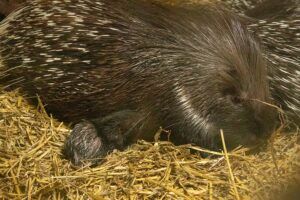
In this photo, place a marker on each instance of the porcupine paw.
(84, 145)
(91, 141)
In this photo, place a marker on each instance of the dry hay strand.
(32, 167)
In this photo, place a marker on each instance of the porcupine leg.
(92, 140)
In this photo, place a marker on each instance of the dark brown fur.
(8, 6)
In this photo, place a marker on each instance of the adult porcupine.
(282, 25)
(129, 67)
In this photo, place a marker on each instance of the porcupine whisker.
(268, 104)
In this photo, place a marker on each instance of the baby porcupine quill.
(128, 67)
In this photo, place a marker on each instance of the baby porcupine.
(127, 67)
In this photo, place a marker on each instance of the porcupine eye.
(232, 94)
(229, 85)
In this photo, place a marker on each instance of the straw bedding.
(32, 167)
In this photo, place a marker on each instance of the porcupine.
(277, 25)
(128, 67)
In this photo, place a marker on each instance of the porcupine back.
(278, 27)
